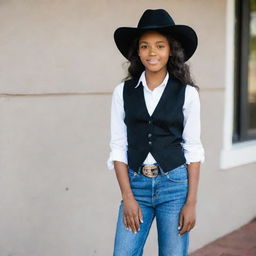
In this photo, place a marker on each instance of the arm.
(118, 141)
(193, 179)
(118, 160)
(121, 170)
(194, 154)
(193, 149)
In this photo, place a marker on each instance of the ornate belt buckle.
(150, 170)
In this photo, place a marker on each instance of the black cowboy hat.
(158, 20)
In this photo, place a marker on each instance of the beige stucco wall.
(58, 68)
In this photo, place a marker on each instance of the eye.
(143, 46)
(160, 46)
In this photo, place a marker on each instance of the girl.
(156, 149)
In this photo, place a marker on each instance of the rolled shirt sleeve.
(193, 148)
(118, 141)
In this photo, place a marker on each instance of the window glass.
(252, 67)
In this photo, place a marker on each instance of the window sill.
(239, 154)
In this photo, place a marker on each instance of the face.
(154, 51)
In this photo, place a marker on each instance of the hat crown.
(155, 19)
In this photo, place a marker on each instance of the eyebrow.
(156, 42)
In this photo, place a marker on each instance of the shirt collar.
(144, 83)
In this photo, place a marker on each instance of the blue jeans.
(162, 197)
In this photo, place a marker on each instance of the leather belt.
(150, 170)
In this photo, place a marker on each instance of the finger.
(137, 223)
(180, 221)
(140, 215)
(184, 228)
(125, 222)
(128, 223)
(189, 227)
(192, 225)
(133, 227)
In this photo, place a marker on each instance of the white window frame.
(240, 153)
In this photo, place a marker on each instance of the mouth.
(152, 61)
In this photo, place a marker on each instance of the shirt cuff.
(116, 155)
(194, 153)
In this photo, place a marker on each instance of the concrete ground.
(240, 242)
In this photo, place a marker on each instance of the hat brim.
(124, 36)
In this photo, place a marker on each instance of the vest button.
(150, 142)
(149, 121)
(149, 135)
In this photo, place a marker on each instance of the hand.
(132, 214)
(187, 218)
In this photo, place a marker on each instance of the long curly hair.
(175, 64)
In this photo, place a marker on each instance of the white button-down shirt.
(193, 149)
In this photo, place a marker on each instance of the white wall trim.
(232, 155)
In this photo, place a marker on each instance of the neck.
(154, 79)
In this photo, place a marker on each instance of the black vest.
(161, 133)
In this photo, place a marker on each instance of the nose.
(151, 51)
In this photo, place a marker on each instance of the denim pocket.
(132, 174)
(178, 174)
